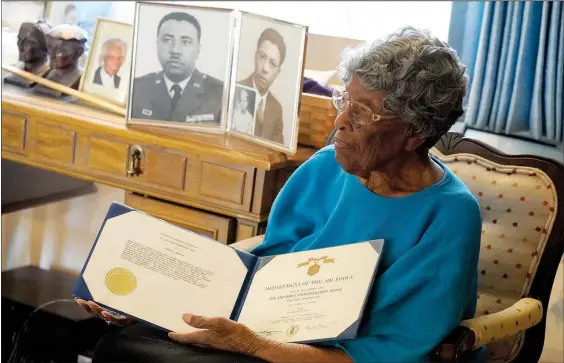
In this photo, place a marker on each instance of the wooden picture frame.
(118, 36)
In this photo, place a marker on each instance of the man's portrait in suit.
(178, 91)
(113, 55)
(107, 69)
(268, 59)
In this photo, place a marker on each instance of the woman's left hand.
(220, 333)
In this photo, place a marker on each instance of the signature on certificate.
(268, 333)
(316, 327)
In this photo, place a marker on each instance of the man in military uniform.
(179, 92)
(269, 56)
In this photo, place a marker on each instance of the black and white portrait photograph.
(244, 105)
(108, 66)
(270, 60)
(181, 62)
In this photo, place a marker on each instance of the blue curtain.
(514, 52)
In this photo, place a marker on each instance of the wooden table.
(217, 185)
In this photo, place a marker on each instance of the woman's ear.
(413, 142)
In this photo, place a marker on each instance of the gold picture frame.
(91, 81)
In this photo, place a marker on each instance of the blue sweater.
(427, 278)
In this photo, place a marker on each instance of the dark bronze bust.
(33, 56)
(65, 44)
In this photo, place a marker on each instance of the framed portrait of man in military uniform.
(181, 66)
(269, 60)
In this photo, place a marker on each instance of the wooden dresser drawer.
(226, 184)
(179, 175)
(13, 131)
(164, 169)
(107, 155)
(53, 142)
(210, 225)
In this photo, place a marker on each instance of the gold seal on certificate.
(293, 330)
(121, 281)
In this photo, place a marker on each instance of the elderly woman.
(377, 181)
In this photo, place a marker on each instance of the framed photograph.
(270, 60)
(108, 67)
(181, 65)
(244, 109)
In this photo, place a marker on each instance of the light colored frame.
(91, 53)
(293, 144)
(231, 113)
(222, 127)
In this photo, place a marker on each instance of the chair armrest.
(517, 318)
(249, 243)
(474, 333)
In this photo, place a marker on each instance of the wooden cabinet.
(207, 224)
(107, 156)
(217, 185)
(13, 131)
(53, 142)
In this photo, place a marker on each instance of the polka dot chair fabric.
(518, 206)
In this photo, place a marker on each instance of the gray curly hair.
(423, 80)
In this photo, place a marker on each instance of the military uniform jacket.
(272, 125)
(200, 102)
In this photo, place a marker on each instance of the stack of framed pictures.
(199, 68)
(217, 70)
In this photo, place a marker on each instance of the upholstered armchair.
(522, 245)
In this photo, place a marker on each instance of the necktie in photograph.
(176, 96)
(260, 111)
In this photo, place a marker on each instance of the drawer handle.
(135, 156)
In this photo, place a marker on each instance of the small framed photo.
(269, 60)
(181, 66)
(108, 66)
(244, 110)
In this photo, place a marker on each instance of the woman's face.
(361, 149)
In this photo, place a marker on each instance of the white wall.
(346, 19)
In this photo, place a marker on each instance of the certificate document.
(148, 269)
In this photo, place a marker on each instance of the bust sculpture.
(65, 44)
(33, 55)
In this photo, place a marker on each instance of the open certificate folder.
(154, 271)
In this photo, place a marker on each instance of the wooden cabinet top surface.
(82, 115)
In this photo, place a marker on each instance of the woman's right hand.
(93, 308)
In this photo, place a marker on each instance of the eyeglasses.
(360, 115)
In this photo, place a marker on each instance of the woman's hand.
(220, 333)
(93, 308)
